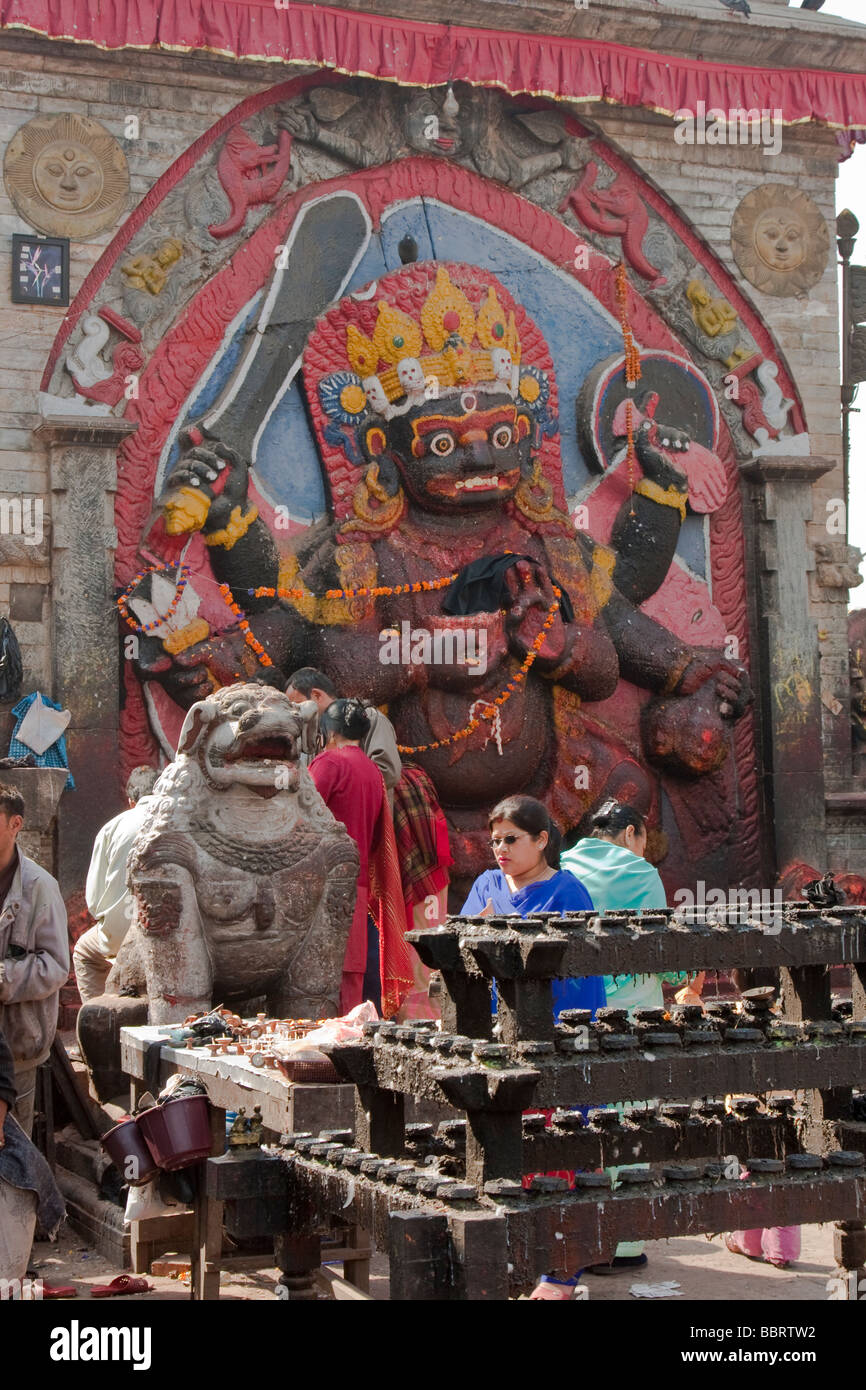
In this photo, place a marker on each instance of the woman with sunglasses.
(525, 843)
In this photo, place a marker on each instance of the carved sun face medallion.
(780, 240)
(66, 175)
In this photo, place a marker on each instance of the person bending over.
(380, 741)
(108, 898)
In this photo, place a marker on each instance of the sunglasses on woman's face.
(496, 840)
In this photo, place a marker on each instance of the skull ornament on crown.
(425, 336)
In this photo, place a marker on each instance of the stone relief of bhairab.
(473, 472)
(780, 239)
(285, 441)
(244, 882)
(66, 175)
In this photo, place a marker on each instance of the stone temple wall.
(177, 99)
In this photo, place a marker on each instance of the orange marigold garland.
(249, 636)
(382, 591)
(491, 707)
(182, 572)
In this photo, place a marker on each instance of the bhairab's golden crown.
(449, 343)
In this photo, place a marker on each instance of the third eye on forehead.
(460, 425)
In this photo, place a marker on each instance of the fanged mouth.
(479, 482)
(263, 750)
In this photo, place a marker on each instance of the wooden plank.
(231, 1264)
(208, 1222)
(342, 1254)
(64, 1078)
(828, 938)
(149, 1237)
(233, 1083)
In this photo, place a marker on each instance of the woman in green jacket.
(611, 865)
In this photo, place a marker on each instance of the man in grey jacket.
(34, 955)
(380, 745)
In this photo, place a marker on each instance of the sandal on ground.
(124, 1283)
(619, 1262)
(58, 1291)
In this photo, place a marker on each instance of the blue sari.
(561, 893)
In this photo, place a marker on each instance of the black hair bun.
(356, 721)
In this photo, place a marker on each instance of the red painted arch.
(251, 105)
(185, 351)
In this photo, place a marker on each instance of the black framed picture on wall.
(40, 270)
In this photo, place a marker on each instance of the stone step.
(98, 1222)
(105, 1114)
(88, 1160)
(84, 1157)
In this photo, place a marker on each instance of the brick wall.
(175, 101)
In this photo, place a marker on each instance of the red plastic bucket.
(127, 1150)
(178, 1132)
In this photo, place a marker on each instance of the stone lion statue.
(244, 883)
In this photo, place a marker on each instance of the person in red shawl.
(353, 789)
(424, 854)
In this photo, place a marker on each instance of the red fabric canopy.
(429, 55)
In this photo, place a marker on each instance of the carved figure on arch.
(250, 174)
(91, 375)
(357, 124)
(710, 324)
(616, 210)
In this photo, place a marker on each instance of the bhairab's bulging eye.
(502, 437)
(442, 444)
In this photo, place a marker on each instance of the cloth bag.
(42, 725)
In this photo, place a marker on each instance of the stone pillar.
(82, 470)
(41, 788)
(788, 673)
